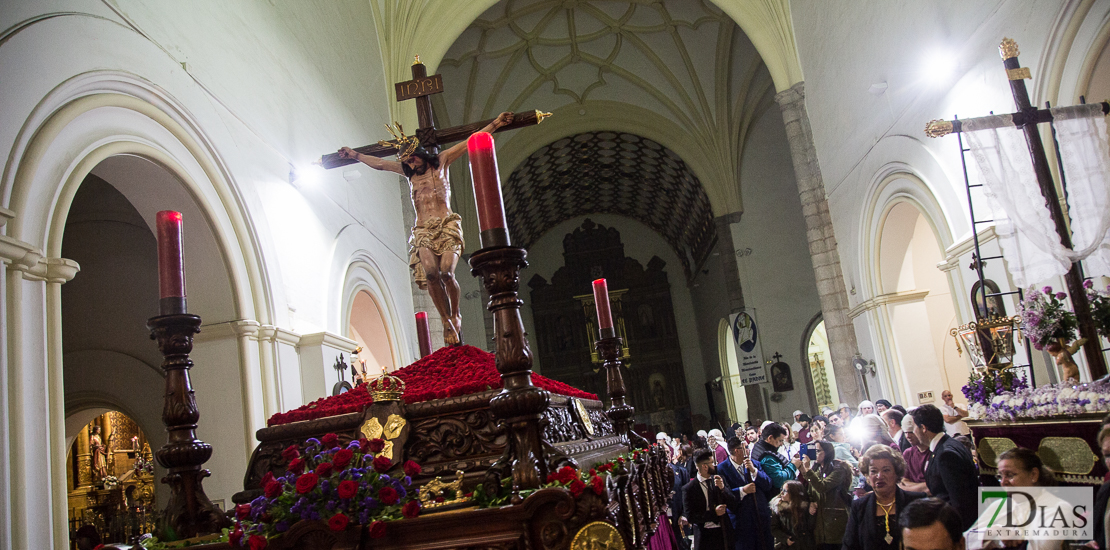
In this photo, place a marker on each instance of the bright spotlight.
(939, 66)
(310, 174)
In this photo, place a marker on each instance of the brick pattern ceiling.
(607, 172)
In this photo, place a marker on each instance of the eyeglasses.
(1006, 476)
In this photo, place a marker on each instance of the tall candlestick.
(487, 190)
(171, 266)
(604, 314)
(422, 334)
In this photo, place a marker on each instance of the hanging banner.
(749, 351)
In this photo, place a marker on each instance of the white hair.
(865, 403)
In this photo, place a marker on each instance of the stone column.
(822, 241)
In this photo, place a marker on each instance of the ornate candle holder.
(520, 405)
(620, 412)
(189, 513)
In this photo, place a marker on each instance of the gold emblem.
(584, 417)
(597, 536)
(1018, 74)
(1008, 49)
(452, 493)
(937, 128)
(991, 447)
(372, 429)
(1067, 455)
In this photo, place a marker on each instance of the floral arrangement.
(574, 480)
(1045, 401)
(110, 482)
(328, 482)
(449, 372)
(1045, 318)
(1100, 307)
(981, 387)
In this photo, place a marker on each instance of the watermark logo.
(1034, 513)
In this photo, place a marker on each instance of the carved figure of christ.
(437, 236)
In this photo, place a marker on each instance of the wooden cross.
(1027, 119)
(420, 88)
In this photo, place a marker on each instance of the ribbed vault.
(614, 173)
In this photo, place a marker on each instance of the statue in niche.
(98, 454)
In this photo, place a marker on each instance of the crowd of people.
(880, 477)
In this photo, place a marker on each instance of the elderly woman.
(1018, 467)
(873, 521)
(830, 481)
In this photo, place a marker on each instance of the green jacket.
(830, 492)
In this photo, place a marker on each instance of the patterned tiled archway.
(613, 173)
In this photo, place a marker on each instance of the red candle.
(604, 315)
(487, 190)
(423, 337)
(171, 267)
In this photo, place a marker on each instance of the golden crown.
(385, 387)
(405, 145)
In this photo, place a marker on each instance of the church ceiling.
(607, 172)
(685, 65)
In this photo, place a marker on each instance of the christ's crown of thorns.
(405, 145)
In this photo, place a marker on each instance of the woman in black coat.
(873, 521)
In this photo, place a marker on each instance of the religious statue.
(98, 454)
(1062, 352)
(436, 241)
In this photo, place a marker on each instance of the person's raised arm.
(371, 161)
(456, 150)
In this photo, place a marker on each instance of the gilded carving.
(598, 535)
(991, 447)
(1067, 455)
(1008, 49)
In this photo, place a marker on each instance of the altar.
(1065, 444)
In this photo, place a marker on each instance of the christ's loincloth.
(440, 235)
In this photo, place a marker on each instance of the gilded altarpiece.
(566, 326)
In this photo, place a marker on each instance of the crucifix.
(1027, 118)
(436, 241)
(777, 357)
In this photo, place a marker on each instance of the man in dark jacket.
(705, 501)
(678, 516)
(766, 452)
(751, 515)
(950, 472)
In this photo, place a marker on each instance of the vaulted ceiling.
(678, 74)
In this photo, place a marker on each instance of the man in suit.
(950, 472)
(751, 515)
(678, 514)
(705, 501)
(893, 420)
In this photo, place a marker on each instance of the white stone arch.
(79, 123)
(893, 185)
(363, 274)
(736, 397)
(1079, 34)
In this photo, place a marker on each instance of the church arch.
(366, 293)
(736, 398)
(88, 119)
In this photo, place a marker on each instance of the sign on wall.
(749, 352)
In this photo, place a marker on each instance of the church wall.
(640, 243)
(776, 273)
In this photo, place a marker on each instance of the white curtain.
(1026, 233)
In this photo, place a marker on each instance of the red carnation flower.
(411, 509)
(307, 483)
(382, 464)
(566, 474)
(330, 440)
(576, 487)
(377, 529)
(257, 542)
(242, 511)
(377, 444)
(593, 472)
(324, 470)
(338, 522)
(342, 458)
(363, 444)
(388, 496)
(598, 485)
(273, 489)
(347, 488)
(235, 537)
(266, 479)
(296, 466)
(291, 452)
(411, 468)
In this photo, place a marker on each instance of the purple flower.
(1061, 295)
(1046, 290)
(1088, 283)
